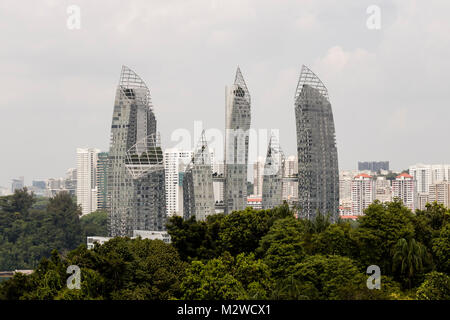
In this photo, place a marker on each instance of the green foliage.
(235, 233)
(282, 247)
(435, 287)
(227, 277)
(31, 227)
(250, 187)
(94, 224)
(336, 239)
(408, 258)
(441, 249)
(318, 224)
(242, 231)
(429, 222)
(391, 176)
(194, 240)
(20, 201)
(27, 234)
(331, 277)
(250, 254)
(120, 269)
(40, 203)
(379, 230)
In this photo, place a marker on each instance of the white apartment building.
(427, 174)
(345, 207)
(383, 190)
(143, 234)
(258, 172)
(345, 185)
(404, 187)
(175, 161)
(290, 188)
(440, 192)
(363, 193)
(218, 186)
(440, 172)
(422, 200)
(86, 179)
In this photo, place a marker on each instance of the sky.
(388, 86)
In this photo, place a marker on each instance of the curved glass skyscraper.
(318, 173)
(237, 125)
(136, 196)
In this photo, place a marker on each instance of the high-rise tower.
(87, 179)
(318, 173)
(198, 192)
(102, 180)
(237, 125)
(272, 188)
(136, 192)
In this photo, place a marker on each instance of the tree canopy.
(249, 254)
(30, 228)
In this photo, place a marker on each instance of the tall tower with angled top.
(136, 196)
(272, 187)
(198, 192)
(318, 173)
(237, 125)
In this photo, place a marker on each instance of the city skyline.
(68, 88)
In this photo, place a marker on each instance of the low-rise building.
(143, 234)
(254, 201)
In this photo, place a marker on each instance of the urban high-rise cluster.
(140, 185)
(146, 185)
(415, 187)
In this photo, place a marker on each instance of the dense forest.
(30, 228)
(250, 254)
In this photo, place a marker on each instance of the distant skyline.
(387, 87)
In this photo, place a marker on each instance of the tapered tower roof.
(130, 80)
(239, 80)
(307, 77)
(201, 154)
(274, 157)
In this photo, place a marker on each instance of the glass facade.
(198, 192)
(237, 125)
(102, 178)
(272, 186)
(318, 173)
(135, 167)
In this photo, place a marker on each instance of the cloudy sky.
(389, 88)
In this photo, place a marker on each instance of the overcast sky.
(389, 88)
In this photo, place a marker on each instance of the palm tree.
(409, 257)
